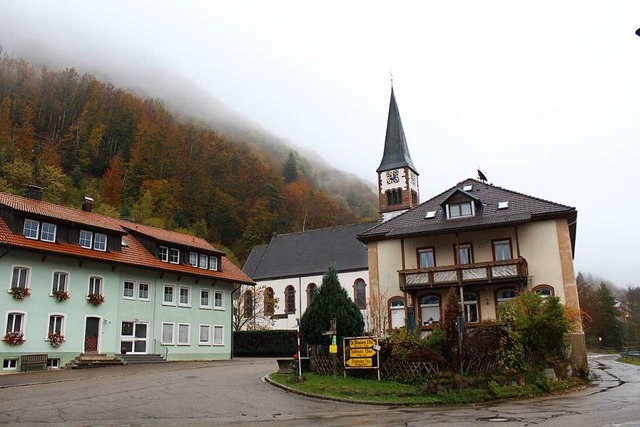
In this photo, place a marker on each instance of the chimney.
(33, 192)
(87, 203)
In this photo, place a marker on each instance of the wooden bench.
(32, 359)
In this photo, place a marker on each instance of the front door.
(91, 334)
(133, 337)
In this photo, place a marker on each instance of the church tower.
(397, 176)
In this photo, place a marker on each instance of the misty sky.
(543, 96)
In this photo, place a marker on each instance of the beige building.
(487, 242)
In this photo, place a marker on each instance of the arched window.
(269, 302)
(430, 309)
(312, 291)
(505, 295)
(471, 307)
(290, 300)
(545, 291)
(248, 303)
(396, 309)
(360, 294)
(389, 197)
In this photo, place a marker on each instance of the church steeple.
(397, 176)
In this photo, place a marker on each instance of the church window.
(290, 300)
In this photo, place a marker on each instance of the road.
(232, 393)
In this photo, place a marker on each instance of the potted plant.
(20, 293)
(13, 338)
(95, 299)
(60, 295)
(55, 339)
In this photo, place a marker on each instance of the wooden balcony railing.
(482, 272)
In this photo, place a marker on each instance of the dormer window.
(31, 229)
(213, 263)
(86, 239)
(100, 242)
(163, 253)
(174, 256)
(193, 259)
(460, 210)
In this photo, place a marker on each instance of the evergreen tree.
(605, 324)
(290, 168)
(330, 302)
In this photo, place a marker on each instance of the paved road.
(232, 393)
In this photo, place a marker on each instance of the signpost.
(361, 353)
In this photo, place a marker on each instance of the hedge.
(265, 343)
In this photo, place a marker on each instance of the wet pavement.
(232, 393)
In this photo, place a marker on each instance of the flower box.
(13, 338)
(56, 339)
(20, 293)
(60, 295)
(95, 299)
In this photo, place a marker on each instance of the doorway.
(91, 334)
(133, 337)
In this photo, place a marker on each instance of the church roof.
(429, 218)
(309, 253)
(396, 152)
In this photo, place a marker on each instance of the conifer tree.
(330, 302)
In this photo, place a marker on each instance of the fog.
(542, 96)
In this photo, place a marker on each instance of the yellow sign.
(333, 349)
(361, 343)
(364, 362)
(361, 352)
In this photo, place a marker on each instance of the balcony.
(513, 270)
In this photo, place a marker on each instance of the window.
(505, 295)
(55, 324)
(143, 291)
(167, 333)
(163, 253)
(48, 232)
(183, 333)
(205, 335)
(397, 312)
(205, 299)
(31, 229)
(86, 239)
(545, 291)
(95, 285)
(53, 363)
(10, 364)
(471, 307)
(203, 261)
(59, 283)
(312, 291)
(193, 259)
(218, 300)
(129, 290)
(426, 258)
(100, 242)
(460, 210)
(430, 309)
(174, 256)
(15, 322)
(465, 254)
(290, 300)
(168, 296)
(394, 197)
(269, 302)
(20, 277)
(248, 303)
(501, 250)
(218, 335)
(185, 298)
(360, 294)
(213, 262)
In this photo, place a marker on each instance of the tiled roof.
(133, 253)
(309, 253)
(522, 208)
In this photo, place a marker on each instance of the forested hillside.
(73, 134)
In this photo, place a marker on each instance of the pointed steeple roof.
(396, 153)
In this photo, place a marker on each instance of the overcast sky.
(543, 96)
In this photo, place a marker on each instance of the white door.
(133, 337)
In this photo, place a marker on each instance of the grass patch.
(629, 360)
(390, 393)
